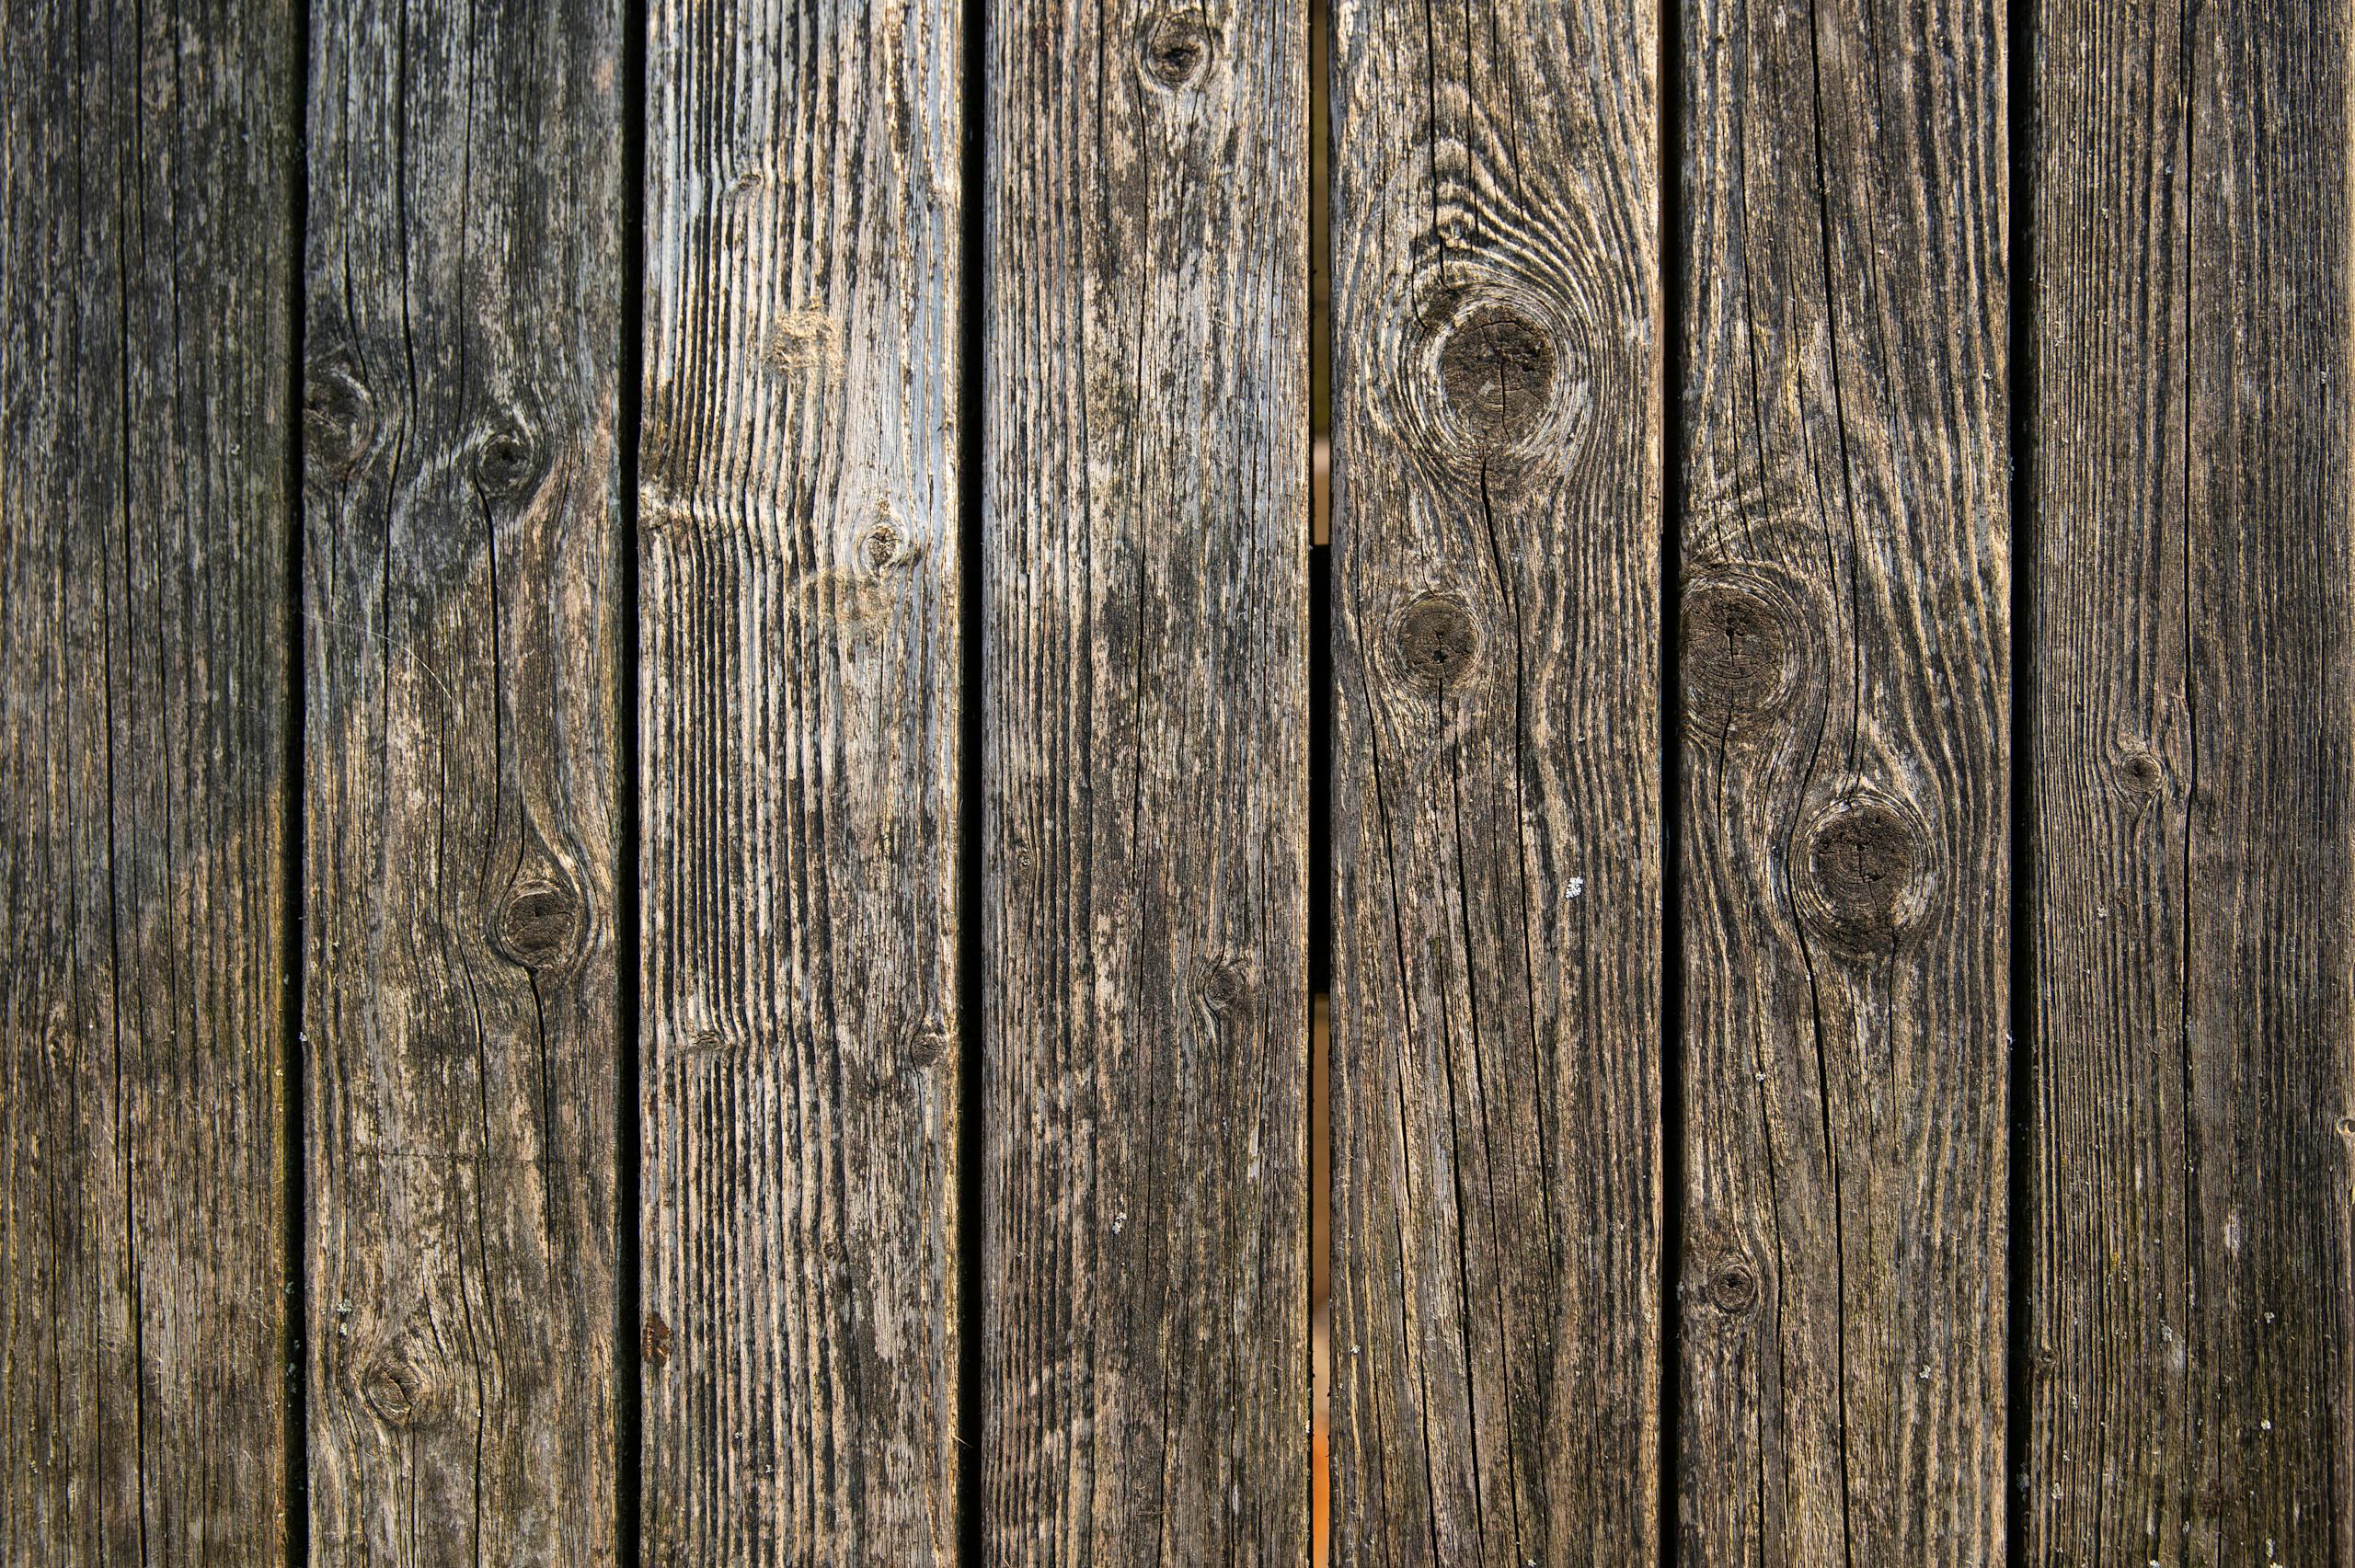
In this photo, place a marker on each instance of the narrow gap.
(1320, 780)
(630, 1427)
(1320, 417)
(973, 497)
(2020, 130)
(1671, 163)
(297, 1499)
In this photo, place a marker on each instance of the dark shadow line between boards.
(2019, 240)
(972, 803)
(1672, 284)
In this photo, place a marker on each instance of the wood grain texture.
(145, 319)
(802, 652)
(1144, 903)
(1497, 814)
(462, 630)
(2189, 1397)
(1844, 644)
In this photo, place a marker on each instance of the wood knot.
(1732, 1288)
(883, 547)
(538, 924)
(508, 460)
(1435, 642)
(1868, 872)
(654, 1341)
(1177, 48)
(916, 1051)
(1741, 648)
(1498, 369)
(1222, 990)
(925, 1045)
(338, 417)
(395, 1392)
(2139, 772)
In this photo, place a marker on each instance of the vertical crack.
(2018, 1261)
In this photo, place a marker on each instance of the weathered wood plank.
(802, 654)
(1497, 815)
(1844, 642)
(462, 629)
(1144, 897)
(146, 322)
(2190, 1319)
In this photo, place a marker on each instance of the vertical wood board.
(1497, 852)
(461, 636)
(1143, 901)
(2189, 1366)
(146, 322)
(801, 650)
(1845, 643)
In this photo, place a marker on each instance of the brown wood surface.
(1144, 547)
(801, 648)
(1496, 809)
(145, 242)
(1844, 646)
(462, 629)
(1807, 375)
(2188, 1334)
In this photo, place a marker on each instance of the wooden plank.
(1497, 815)
(146, 322)
(461, 623)
(1146, 1355)
(2188, 1325)
(802, 651)
(1844, 648)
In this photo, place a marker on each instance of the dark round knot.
(1867, 866)
(538, 924)
(1497, 368)
(1741, 649)
(508, 462)
(1435, 642)
(1177, 48)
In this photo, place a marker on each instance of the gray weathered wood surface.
(802, 649)
(2189, 1394)
(1144, 987)
(1495, 792)
(146, 248)
(1845, 712)
(462, 628)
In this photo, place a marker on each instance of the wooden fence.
(677, 771)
